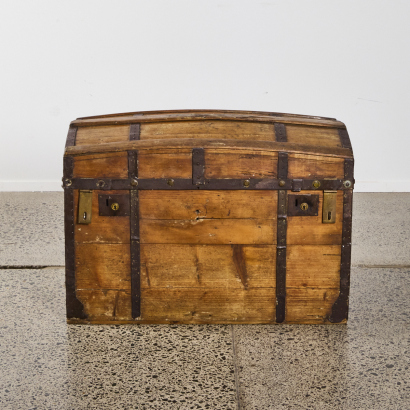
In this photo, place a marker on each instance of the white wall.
(64, 59)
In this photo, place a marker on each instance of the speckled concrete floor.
(46, 364)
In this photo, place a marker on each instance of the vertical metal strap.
(344, 138)
(281, 241)
(280, 132)
(134, 237)
(75, 308)
(71, 136)
(340, 309)
(198, 166)
(135, 130)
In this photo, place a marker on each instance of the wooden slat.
(201, 305)
(102, 135)
(223, 145)
(314, 166)
(309, 230)
(315, 266)
(102, 306)
(209, 231)
(109, 165)
(209, 129)
(102, 266)
(320, 136)
(307, 305)
(191, 205)
(172, 164)
(102, 229)
(207, 266)
(240, 165)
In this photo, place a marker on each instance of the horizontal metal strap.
(209, 184)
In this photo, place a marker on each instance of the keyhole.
(304, 206)
(85, 216)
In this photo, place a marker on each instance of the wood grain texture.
(209, 231)
(109, 165)
(103, 266)
(193, 205)
(204, 306)
(209, 129)
(309, 230)
(314, 166)
(319, 136)
(101, 135)
(171, 164)
(316, 266)
(240, 165)
(105, 306)
(307, 305)
(102, 229)
(207, 266)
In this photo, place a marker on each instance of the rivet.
(134, 182)
(347, 184)
(170, 182)
(68, 182)
(282, 182)
(246, 183)
(316, 184)
(100, 183)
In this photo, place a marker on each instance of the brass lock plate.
(303, 205)
(84, 207)
(114, 205)
(329, 207)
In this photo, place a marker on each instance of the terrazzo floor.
(47, 364)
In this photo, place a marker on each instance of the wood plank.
(172, 164)
(209, 231)
(320, 136)
(207, 266)
(251, 164)
(191, 205)
(223, 145)
(103, 266)
(315, 266)
(314, 166)
(102, 229)
(208, 129)
(109, 165)
(205, 306)
(309, 230)
(307, 305)
(103, 134)
(105, 305)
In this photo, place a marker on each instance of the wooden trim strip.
(106, 184)
(198, 166)
(71, 136)
(135, 130)
(189, 116)
(190, 143)
(344, 138)
(340, 308)
(74, 307)
(281, 242)
(280, 132)
(135, 250)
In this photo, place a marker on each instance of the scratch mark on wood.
(240, 265)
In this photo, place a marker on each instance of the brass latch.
(329, 207)
(84, 207)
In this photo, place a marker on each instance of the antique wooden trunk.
(207, 216)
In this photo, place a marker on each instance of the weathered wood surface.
(315, 166)
(324, 137)
(102, 135)
(110, 165)
(208, 129)
(172, 164)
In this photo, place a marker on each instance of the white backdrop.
(63, 59)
